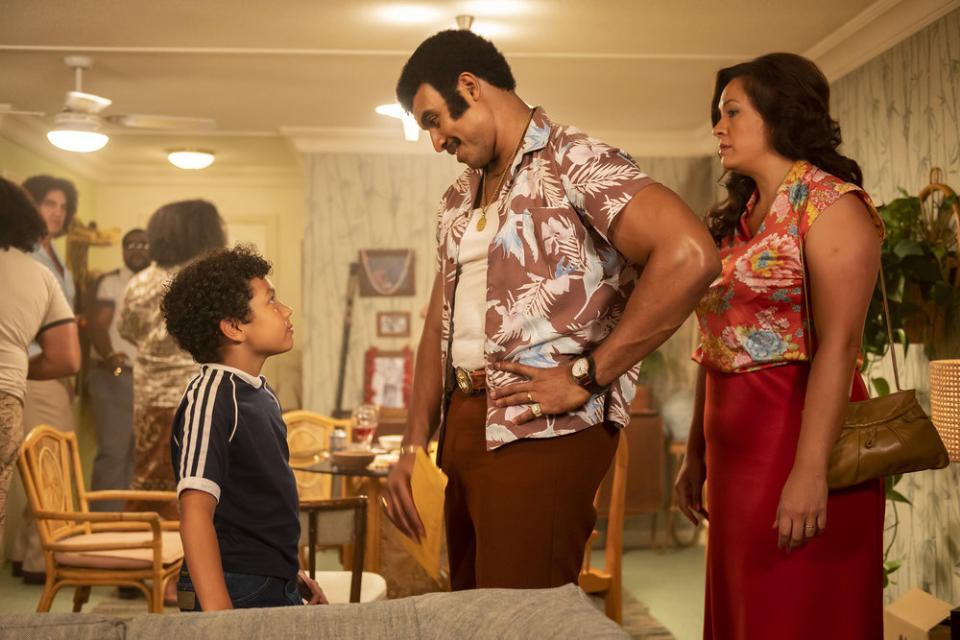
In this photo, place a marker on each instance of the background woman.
(34, 308)
(177, 233)
(47, 401)
(786, 557)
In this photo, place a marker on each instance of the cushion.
(119, 558)
(60, 626)
(336, 586)
(373, 620)
(513, 614)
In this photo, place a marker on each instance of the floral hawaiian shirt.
(751, 318)
(556, 286)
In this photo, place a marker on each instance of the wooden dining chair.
(339, 522)
(84, 549)
(608, 581)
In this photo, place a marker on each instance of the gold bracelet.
(409, 448)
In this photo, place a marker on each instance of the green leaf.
(881, 385)
(893, 480)
(895, 496)
(902, 337)
(892, 565)
(908, 247)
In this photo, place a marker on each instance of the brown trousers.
(519, 516)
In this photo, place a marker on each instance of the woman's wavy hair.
(793, 97)
(20, 224)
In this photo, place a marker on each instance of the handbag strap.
(886, 312)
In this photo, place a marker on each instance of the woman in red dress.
(787, 558)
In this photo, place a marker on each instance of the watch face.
(580, 367)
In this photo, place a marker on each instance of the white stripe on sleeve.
(192, 392)
(207, 422)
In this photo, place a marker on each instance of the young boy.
(238, 498)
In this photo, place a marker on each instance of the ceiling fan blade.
(86, 102)
(8, 110)
(145, 121)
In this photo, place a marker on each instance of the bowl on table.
(353, 458)
(390, 443)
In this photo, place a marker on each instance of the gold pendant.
(482, 222)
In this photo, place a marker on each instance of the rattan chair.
(608, 581)
(85, 549)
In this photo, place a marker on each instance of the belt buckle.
(464, 381)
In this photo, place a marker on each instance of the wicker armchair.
(85, 549)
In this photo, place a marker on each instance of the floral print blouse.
(556, 285)
(752, 316)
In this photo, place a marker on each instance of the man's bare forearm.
(424, 416)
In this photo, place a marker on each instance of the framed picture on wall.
(388, 377)
(386, 272)
(393, 324)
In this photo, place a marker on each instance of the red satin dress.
(830, 588)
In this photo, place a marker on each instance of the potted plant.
(921, 270)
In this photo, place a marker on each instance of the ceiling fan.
(77, 126)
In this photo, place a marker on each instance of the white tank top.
(470, 299)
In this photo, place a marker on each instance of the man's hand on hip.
(549, 391)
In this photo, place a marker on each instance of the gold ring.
(383, 501)
(529, 397)
(810, 526)
(537, 410)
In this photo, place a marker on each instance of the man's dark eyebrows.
(426, 115)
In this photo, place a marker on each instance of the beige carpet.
(637, 620)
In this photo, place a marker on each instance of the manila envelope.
(428, 484)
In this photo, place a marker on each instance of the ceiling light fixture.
(190, 158)
(76, 132)
(411, 132)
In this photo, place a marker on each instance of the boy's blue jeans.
(246, 591)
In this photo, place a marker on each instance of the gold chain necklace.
(482, 222)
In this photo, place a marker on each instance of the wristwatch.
(584, 372)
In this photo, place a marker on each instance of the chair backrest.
(308, 435)
(49, 464)
(338, 522)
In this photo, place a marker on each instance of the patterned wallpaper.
(900, 115)
(363, 201)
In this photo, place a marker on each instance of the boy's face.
(270, 330)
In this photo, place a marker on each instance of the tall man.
(537, 319)
(111, 378)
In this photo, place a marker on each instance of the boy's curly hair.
(213, 288)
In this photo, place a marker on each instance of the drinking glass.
(365, 418)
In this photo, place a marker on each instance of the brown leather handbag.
(881, 436)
